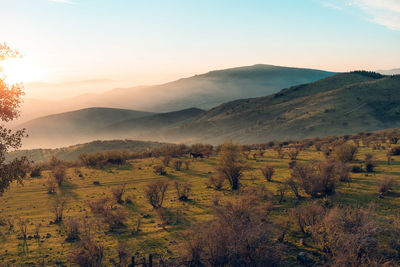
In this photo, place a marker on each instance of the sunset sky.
(154, 41)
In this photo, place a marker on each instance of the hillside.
(74, 126)
(201, 91)
(342, 104)
(72, 152)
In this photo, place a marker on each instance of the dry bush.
(90, 252)
(183, 190)
(124, 254)
(345, 152)
(118, 192)
(292, 184)
(177, 164)
(231, 164)
(293, 153)
(101, 159)
(307, 215)
(279, 151)
(51, 185)
(215, 181)
(187, 164)
(38, 226)
(386, 184)
(36, 171)
(155, 193)
(166, 160)
(268, 171)
(58, 208)
(395, 150)
(160, 170)
(136, 228)
(240, 235)
(22, 227)
(59, 173)
(348, 237)
(115, 217)
(99, 205)
(316, 179)
(370, 163)
(73, 229)
(343, 172)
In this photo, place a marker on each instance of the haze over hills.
(72, 152)
(390, 72)
(73, 127)
(341, 104)
(201, 91)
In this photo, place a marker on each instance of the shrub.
(187, 164)
(356, 169)
(231, 164)
(307, 215)
(155, 193)
(395, 150)
(315, 179)
(386, 185)
(369, 163)
(343, 171)
(293, 153)
(183, 190)
(51, 185)
(177, 164)
(240, 235)
(114, 217)
(345, 152)
(22, 227)
(268, 171)
(90, 252)
(160, 170)
(99, 205)
(58, 209)
(36, 171)
(73, 229)
(215, 181)
(348, 237)
(59, 173)
(166, 160)
(118, 192)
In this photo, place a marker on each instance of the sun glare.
(20, 70)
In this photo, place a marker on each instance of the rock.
(96, 182)
(380, 195)
(303, 257)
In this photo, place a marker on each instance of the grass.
(31, 201)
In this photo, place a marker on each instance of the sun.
(20, 70)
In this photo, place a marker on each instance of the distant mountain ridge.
(201, 91)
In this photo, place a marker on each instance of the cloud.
(63, 2)
(382, 12)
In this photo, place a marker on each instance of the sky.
(141, 42)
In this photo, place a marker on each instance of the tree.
(231, 164)
(10, 99)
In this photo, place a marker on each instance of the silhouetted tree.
(10, 99)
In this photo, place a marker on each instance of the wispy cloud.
(63, 2)
(382, 12)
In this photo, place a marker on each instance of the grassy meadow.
(32, 202)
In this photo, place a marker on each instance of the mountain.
(73, 127)
(341, 104)
(390, 72)
(72, 152)
(201, 91)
